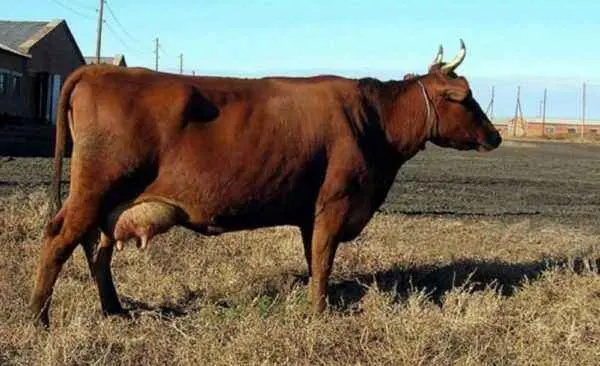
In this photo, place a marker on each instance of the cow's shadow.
(434, 280)
(180, 307)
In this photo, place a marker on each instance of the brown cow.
(223, 154)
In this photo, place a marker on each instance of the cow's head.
(457, 119)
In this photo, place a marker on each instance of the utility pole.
(181, 63)
(156, 45)
(583, 110)
(99, 31)
(544, 112)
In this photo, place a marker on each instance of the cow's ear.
(456, 94)
(456, 90)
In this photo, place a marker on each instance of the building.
(117, 60)
(551, 127)
(35, 59)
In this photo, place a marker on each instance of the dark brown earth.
(544, 181)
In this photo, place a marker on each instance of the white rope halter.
(429, 121)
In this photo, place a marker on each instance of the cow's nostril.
(495, 139)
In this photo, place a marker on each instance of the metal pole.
(492, 106)
(583, 111)
(99, 31)
(181, 63)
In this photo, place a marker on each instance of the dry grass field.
(473, 260)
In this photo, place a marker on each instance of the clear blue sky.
(533, 43)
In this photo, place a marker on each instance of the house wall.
(54, 56)
(537, 129)
(11, 101)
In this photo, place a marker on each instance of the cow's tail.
(62, 120)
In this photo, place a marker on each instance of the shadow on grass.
(181, 307)
(435, 281)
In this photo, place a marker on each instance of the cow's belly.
(216, 202)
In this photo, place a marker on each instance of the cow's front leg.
(325, 240)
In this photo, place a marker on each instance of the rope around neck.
(429, 121)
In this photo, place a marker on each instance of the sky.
(535, 44)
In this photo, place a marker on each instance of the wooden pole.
(156, 54)
(544, 112)
(99, 31)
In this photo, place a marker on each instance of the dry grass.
(409, 291)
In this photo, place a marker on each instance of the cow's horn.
(439, 57)
(452, 65)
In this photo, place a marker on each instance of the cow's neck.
(402, 110)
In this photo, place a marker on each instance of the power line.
(126, 45)
(74, 11)
(83, 5)
(116, 35)
(112, 14)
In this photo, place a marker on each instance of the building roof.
(14, 52)
(19, 36)
(14, 33)
(116, 60)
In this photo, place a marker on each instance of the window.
(594, 131)
(16, 85)
(549, 131)
(572, 131)
(3, 83)
(10, 83)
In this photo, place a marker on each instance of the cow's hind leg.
(61, 237)
(99, 257)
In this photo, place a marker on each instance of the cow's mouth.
(485, 148)
(490, 143)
